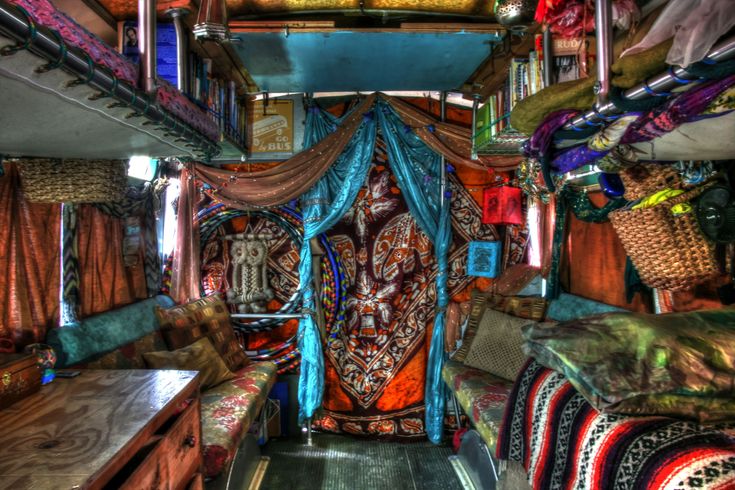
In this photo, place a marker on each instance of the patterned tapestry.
(375, 370)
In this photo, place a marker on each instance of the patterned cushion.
(482, 396)
(531, 307)
(570, 307)
(497, 346)
(229, 409)
(478, 305)
(199, 356)
(129, 356)
(184, 324)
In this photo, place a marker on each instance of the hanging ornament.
(502, 206)
(515, 13)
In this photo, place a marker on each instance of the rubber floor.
(337, 462)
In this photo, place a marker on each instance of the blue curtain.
(418, 173)
(322, 206)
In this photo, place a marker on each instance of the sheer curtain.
(418, 171)
(323, 206)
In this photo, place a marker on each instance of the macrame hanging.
(251, 290)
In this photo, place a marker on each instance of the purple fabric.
(540, 142)
(686, 107)
(44, 13)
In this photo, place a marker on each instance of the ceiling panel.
(353, 60)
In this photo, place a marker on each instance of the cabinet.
(105, 429)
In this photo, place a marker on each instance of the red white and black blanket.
(564, 443)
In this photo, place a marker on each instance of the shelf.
(493, 72)
(49, 114)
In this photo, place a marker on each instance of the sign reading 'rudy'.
(271, 127)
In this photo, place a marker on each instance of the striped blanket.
(564, 443)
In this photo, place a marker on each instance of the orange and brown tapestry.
(375, 370)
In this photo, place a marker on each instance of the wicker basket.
(73, 181)
(644, 179)
(669, 251)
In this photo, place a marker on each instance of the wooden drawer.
(175, 458)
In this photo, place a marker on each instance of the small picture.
(130, 39)
(483, 259)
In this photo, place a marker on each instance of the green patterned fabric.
(105, 332)
(228, 411)
(675, 364)
(481, 395)
(570, 307)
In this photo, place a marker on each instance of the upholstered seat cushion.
(482, 396)
(228, 411)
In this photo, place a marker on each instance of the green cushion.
(570, 307)
(106, 331)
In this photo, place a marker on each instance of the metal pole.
(603, 39)
(548, 58)
(182, 48)
(664, 82)
(475, 104)
(443, 169)
(268, 315)
(46, 45)
(147, 44)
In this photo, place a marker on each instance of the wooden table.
(104, 429)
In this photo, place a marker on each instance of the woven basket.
(669, 251)
(644, 179)
(73, 181)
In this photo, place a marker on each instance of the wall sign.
(271, 127)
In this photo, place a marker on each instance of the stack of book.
(217, 97)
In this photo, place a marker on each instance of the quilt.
(564, 443)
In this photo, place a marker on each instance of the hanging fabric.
(323, 205)
(29, 261)
(105, 283)
(417, 169)
(289, 179)
(185, 277)
(143, 202)
(70, 265)
(452, 141)
(584, 210)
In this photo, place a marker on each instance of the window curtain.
(417, 169)
(186, 275)
(105, 283)
(323, 205)
(29, 263)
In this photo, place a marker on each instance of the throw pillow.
(199, 356)
(497, 346)
(478, 304)
(531, 307)
(208, 317)
(673, 364)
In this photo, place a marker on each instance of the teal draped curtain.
(418, 173)
(322, 206)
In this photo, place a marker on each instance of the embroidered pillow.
(208, 317)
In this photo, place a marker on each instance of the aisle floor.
(337, 462)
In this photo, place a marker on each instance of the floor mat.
(337, 462)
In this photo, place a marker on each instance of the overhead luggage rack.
(58, 103)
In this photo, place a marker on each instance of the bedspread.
(564, 443)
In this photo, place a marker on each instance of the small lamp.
(211, 23)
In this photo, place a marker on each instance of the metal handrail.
(15, 25)
(663, 82)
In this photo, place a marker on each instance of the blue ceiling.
(361, 60)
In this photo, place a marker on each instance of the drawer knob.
(190, 441)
